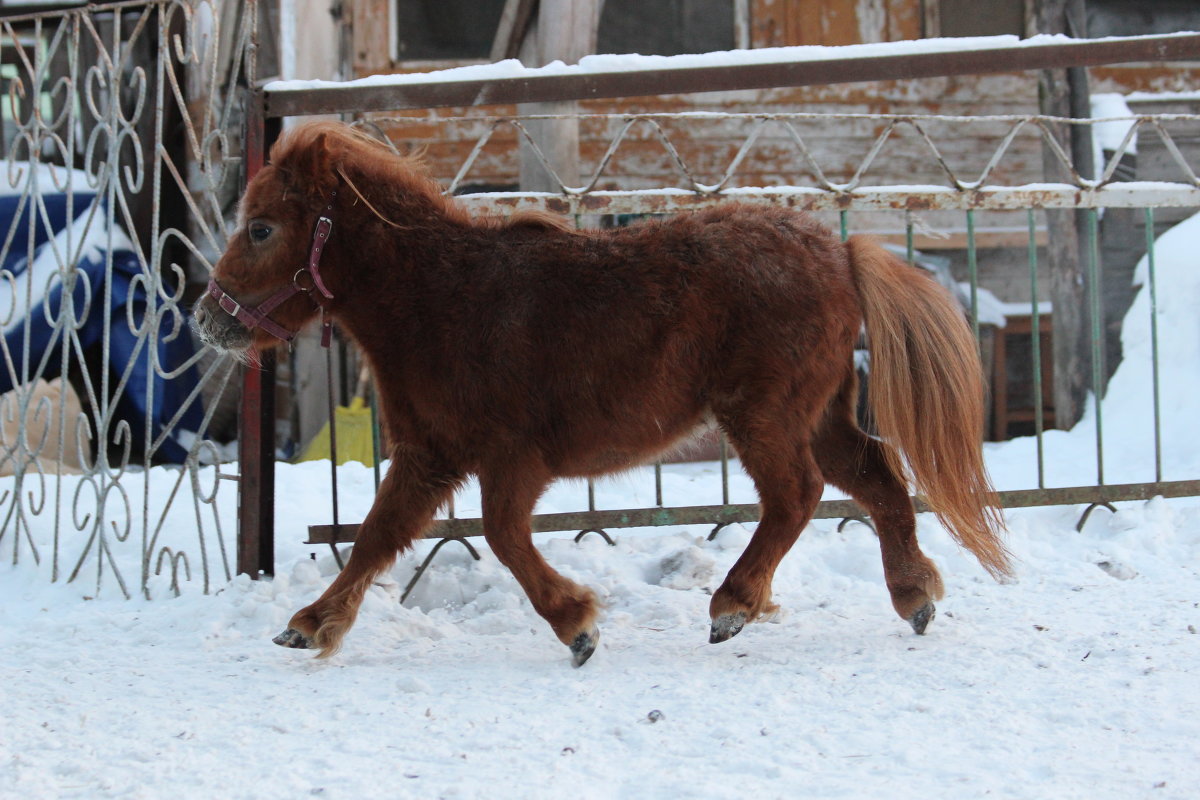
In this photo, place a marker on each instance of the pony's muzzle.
(217, 328)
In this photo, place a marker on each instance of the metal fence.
(123, 155)
(121, 160)
(957, 197)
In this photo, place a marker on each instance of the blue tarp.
(127, 349)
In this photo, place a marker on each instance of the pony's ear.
(309, 157)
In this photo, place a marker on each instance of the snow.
(991, 310)
(1077, 679)
(1112, 123)
(18, 177)
(1113, 120)
(631, 62)
(1147, 97)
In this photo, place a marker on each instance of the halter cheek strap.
(258, 316)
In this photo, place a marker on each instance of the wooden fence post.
(565, 30)
(256, 418)
(1063, 93)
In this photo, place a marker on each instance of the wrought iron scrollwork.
(109, 108)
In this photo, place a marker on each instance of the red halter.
(257, 317)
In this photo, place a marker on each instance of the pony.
(521, 350)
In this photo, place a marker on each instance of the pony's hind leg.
(789, 487)
(408, 497)
(509, 495)
(855, 463)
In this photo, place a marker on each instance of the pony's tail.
(925, 393)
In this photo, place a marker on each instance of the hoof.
(583, 646)
(920, 620)
(726, 626)
(293, 638)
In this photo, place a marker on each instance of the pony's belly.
(623, 451)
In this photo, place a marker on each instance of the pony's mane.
(317, 154)
(532, 221)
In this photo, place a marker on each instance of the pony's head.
(274, 276)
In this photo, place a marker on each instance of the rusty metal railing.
(364, 96)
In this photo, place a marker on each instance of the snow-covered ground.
(1078, 679)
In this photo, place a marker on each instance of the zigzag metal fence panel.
(118, 172)
(983, 196)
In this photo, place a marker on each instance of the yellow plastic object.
(353, 436)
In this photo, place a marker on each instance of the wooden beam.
(515, 21)
(256, 419)
(565, 31)
(1068, 279)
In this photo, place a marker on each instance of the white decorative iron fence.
(121, 159)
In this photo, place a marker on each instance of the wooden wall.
(709, 146)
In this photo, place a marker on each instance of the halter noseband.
(257, 317)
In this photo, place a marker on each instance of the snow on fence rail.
(966, 194)
(609, 76)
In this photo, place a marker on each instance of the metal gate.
(122, 158)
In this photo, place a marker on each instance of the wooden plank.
(371, 36)
(837, 22)
(904, 19)
(565, 31)
(1180, 76)
(514, 24)
(256, 417)
(1072, 372)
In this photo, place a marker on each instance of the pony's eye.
(259, 231)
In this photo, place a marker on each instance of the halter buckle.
(225, 302)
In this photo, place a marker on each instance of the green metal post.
(1093, 246)
(973, 273)
(1036, 343)
(1154, 343)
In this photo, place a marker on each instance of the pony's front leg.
(408, 497)
(509, 495)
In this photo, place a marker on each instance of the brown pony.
(520, 350)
